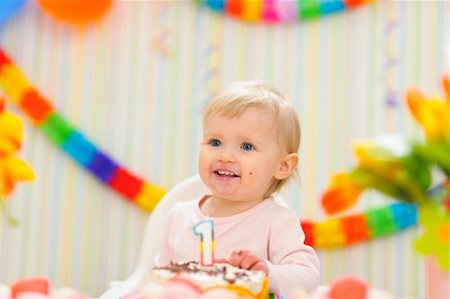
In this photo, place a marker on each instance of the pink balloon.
(286, 10)
(269, 14)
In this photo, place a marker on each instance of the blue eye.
(247, 147)
(215, 143)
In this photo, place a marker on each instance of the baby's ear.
(287, 165)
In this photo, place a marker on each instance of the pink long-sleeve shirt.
(269, 230)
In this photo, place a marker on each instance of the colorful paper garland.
(331, 233)
(357, 228)
(63, 134)
(280, 11)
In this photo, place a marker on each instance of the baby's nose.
(226, 155)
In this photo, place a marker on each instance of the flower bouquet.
(416, 171)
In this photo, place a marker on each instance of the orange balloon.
(78, 12)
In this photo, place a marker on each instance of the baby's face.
(240, 157)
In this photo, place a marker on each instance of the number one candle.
(205, 229)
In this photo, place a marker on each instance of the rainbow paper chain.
(71, 141)
(331, 233)
(273, 11)
(351, 229)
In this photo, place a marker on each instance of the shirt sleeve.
(292, 264)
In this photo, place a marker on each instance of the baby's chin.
(224, 187)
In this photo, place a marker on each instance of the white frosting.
(205, 277)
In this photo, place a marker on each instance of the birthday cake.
(220, 278)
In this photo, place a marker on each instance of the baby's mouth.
(225, 173)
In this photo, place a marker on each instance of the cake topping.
(228, 273)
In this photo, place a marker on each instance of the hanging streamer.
(390, 55)
(336, 232)
(357, 228)
(160, 37)
(280, 11)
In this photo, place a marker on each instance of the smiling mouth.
(225, 173)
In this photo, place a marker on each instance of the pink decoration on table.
(37, 288)
(39, 285)
(349, 288)
(437, 280)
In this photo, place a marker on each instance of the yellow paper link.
(13, 82)
(149, 196)
(329, 233)
(15, 85)
(251, 10)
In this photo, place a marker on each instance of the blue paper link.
(79, 148)
(405, 214)
(103, 167)
(330, 6)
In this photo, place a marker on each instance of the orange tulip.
(432, 113)
(341, 195)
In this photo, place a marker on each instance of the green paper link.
(57, 128)
(309, 9)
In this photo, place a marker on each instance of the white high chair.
(188, 189)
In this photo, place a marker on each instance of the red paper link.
(308, 228)
(355, 228)
(35, 106)
(353, 3)
(234, 8)
(126, 183)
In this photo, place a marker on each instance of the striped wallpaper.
(135, 83)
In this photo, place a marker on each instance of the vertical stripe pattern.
(142, 105)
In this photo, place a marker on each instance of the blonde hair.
(239, 96)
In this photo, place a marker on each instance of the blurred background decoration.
(284, 11)
(66, 136)
(8, 8)
(77, 12)
(12, 168)
(131, 78)
(404, 170)
(415, 171)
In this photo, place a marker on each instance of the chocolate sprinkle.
(220, 270)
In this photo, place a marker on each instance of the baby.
(251, 136)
